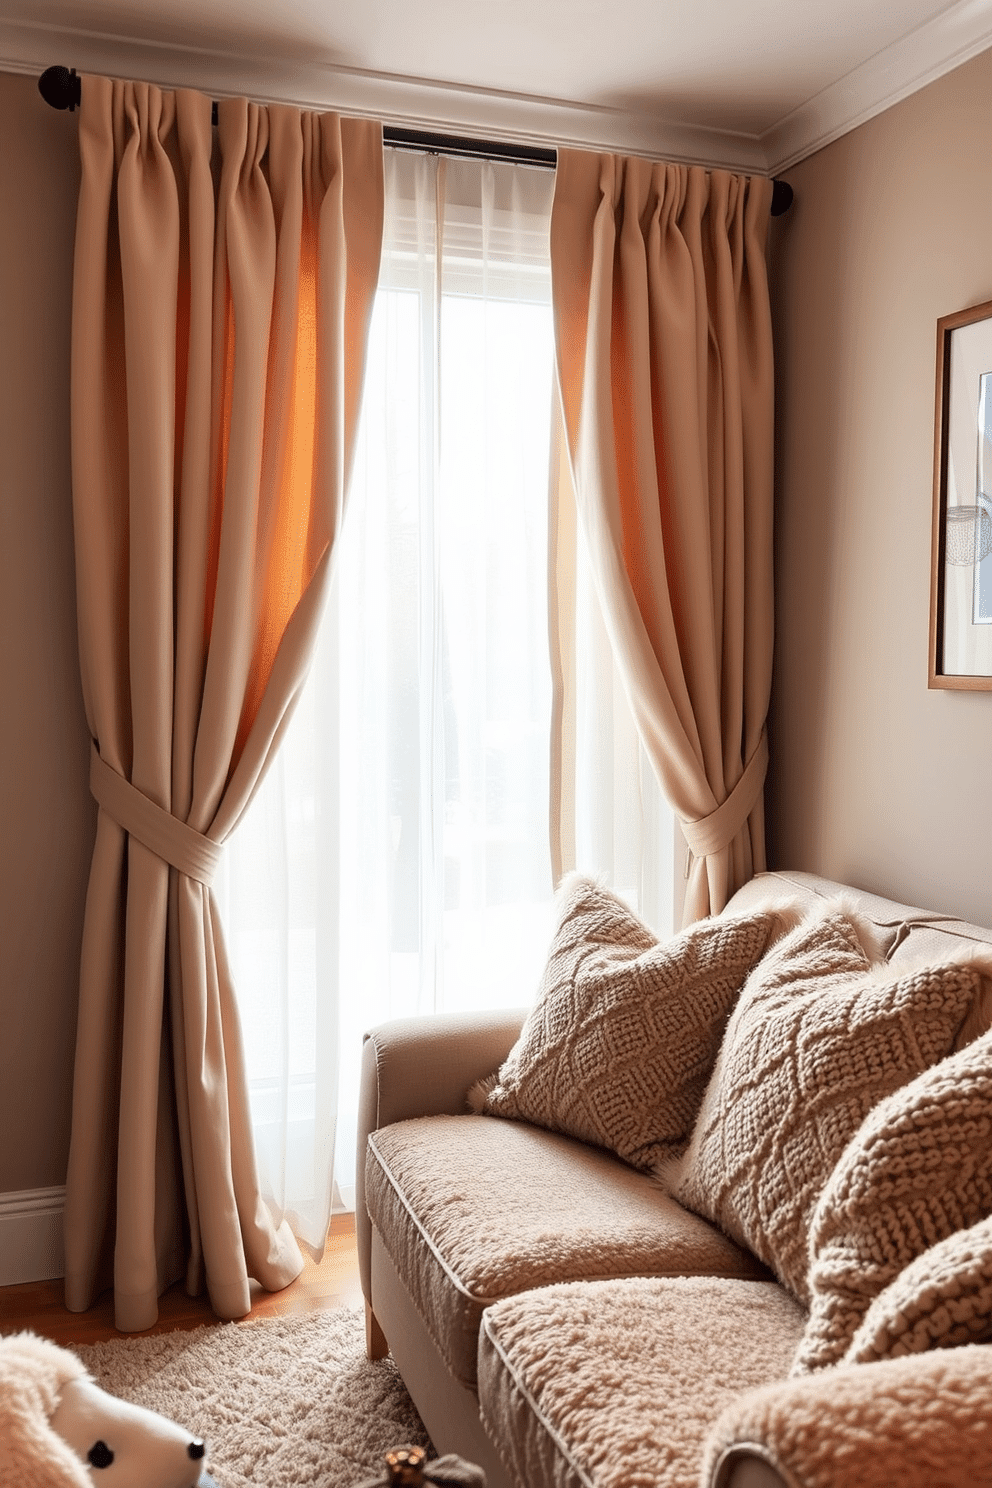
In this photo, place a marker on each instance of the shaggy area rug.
(281, 1401)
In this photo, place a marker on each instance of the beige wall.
(875, 780)
(46, 816)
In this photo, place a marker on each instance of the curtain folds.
(395, 860)
(664, 348)
(223, 288)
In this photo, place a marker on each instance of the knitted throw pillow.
(619, 1045)
(918, 1171)
(944, 1297)
(819, 1036)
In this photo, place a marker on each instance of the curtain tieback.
(712, 833)
(162, 833)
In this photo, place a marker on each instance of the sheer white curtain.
(398, 858)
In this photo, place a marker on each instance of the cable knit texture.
(918, 1423)
(821, 1034)
(942, 1298)
(919, 1169)
(625, 1030)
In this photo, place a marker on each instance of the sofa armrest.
(422, 1067)
(916, 1421)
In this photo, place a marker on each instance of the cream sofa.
(560, 1319)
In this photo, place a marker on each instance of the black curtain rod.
(477, 149)
(61, 87)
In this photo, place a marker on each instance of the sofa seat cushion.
(471, 1210)
(616, 1384)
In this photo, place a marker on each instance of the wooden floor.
(333, 1283)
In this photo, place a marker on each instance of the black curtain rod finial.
(61, 87)
(782, 195)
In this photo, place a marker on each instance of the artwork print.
(961, 566)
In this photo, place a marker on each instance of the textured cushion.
(471, 1210)
(818, 1037)
(617, 1383)
(621, 1041)
(944, 1297)
(915, 1423)
(919, 1169)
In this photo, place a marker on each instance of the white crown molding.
(921, 57)
(28, 47)
(925, 54)
(31, 1245)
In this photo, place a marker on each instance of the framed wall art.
(961, 550)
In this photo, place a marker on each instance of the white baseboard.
(31, 1235)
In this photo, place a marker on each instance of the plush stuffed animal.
(58, 1429)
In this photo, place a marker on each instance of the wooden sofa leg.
(376, 1346)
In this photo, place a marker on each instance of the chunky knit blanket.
(918, 1171)
(942, 1298)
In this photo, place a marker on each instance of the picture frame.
(961, 539)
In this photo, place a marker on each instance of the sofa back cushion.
(621, 1041)
(822, 1032)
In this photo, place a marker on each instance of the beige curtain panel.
(223, 288)
(664, 348)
